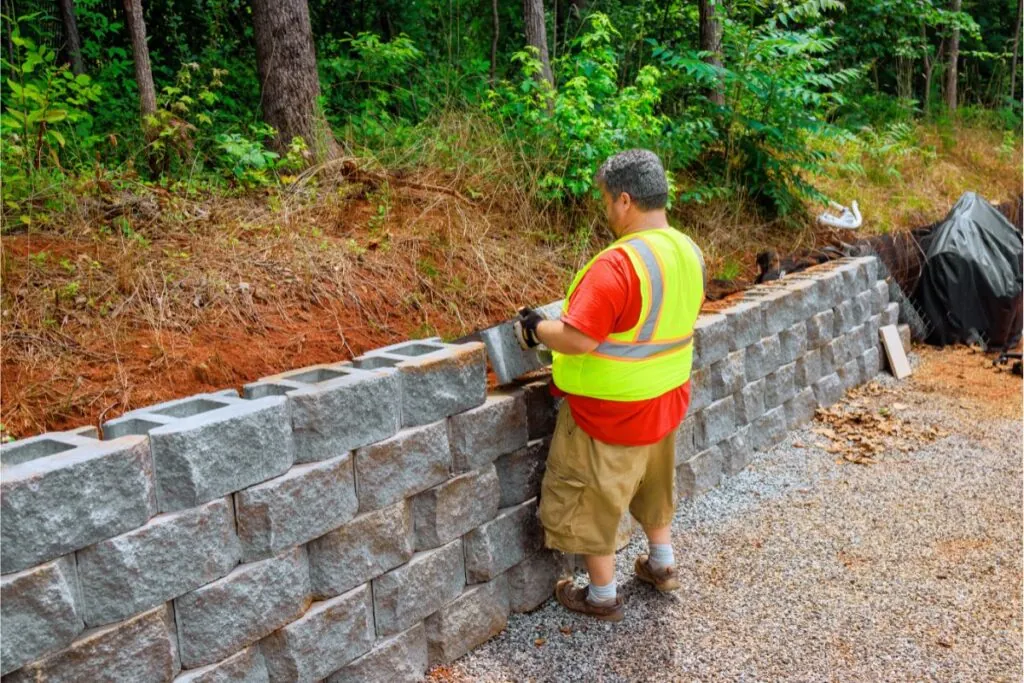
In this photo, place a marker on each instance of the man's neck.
(649, 220)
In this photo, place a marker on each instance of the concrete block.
(745, 324)
(710, 339)
(849, 375)
(438, 380)
(880, 299)
(804, 299)
(819, 329)
(750, 402)
(845, 318)
(780, 386)
(473, 618)
(828, 390)
(248, 604)
(354, 553)
(138, 649)
(40, 610)
(220, 450)
(891, 314)
(327, 637)
(871, 268)
(246, 666)
(718, 420)
(808, 368)
(837, 352)
(800, 409)
(541, 412)
(794, 342)
(520, 473)
(869, 364)
(904, 332)
(736, 451)
(727, 376)
(769, 429)
(505, 541)
(854, 277)
(779, 309)
(58, 496)
(406, 595)
(532, 581)
(862, 304)
(143, 420)
(700, 473)
(304, 503)
(763, 358)
(689, 438)
(873, 325)
(145, 567)
(700, 388)
(829, 283)
(402, 658)
(409, 462)
(335, 408)
(450, 509)
(480, 435)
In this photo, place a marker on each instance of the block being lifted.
(508, 359)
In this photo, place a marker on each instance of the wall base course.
(479, 614)
(532, 581)
(246, 666)
(402, 658)
(508, 539)
(417, 589)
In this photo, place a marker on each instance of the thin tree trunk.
(711, 41)
(537, 36)
(954, 55)
(140, 56)
(494, 38)
(289, 85)
(71, 37)
(1016, 45)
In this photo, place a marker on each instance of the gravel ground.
(805, 567)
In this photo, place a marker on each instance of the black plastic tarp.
(971, 280)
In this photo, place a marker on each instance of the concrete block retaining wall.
(365, 520)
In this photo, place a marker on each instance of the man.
(622, 353)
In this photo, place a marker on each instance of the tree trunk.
(537, 36)
(711, 41)
(954, 55)
(1016, 46)
(289, 85)
(140, 56)
(494, 38)
(71, 37)
(929, 65)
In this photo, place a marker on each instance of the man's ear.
(626, 200)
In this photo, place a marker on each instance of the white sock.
(602, 595)
(661, 555)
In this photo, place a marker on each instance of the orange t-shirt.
(608, 300)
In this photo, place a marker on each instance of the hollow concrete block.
(541, 409)
(794, 341)
(718, 420)
(891, 314)
(520, 473)
(505, 541)
(727, 375)
(820, 327)
(736, 451)
(762, 358)
(746, 324)
(845, 318)
(700, 473)
(402, 658)
(800, 409)
(246, 666)
(710, 339)
(750, 402)
(532, 581)
(409, 462)
(700, 388)
(828, 390)
(481, 434)
(769, 429)
(808, 368)
(780, 386)
(473, 618)
(880, 297)
(453, 507)
(408, 594)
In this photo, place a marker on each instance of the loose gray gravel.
(806, 569)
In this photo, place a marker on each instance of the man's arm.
(564, 338)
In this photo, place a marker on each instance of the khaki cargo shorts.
(589, 484)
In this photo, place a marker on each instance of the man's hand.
(526, 328)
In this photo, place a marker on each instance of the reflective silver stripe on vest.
(657, 288)
(640, 351)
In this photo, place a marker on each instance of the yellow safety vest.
(655, 356)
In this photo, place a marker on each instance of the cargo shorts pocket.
(561, 497)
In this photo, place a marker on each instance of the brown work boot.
(575, 599)
(663, 579)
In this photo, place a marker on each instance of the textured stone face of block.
(40, 612)
(169, 556)
(745, 324)
(336, 408)
(808, 368)
(862, 304)
(849, 375)
(769, 429)
(750, 402)
(891, 314)
(845, 318)
(246, 666)
(727, 375)
(438, 380)
(689, 438)
(794, 342)
(304, 503)
(407, 463)
(736, 451)
(800, 408)
(138, 649)
(880, 298)
(718, 420)
(476, 616)
(857, 340)
(418, 588)
(779, 309)
(520, 473)
(700, 473)
(398, 659)
(829, 282)
(762, 358)
(710, 340)
(249, 603)
(480, 435)
(854, 277)
(541, 413)
(366, 547)
(217, 452)
(828, 390)
(819, 329)
(904, 331)
(327, 637)
(450, 509)
(804, 299)
(700, 389)
(505, 541)
(532, 581)
(780, 386)
(53, 505)
(870, 268)
(836, 352)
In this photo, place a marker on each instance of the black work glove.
(526, 328)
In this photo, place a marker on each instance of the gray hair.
(638, 173)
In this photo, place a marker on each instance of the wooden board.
(898, 363)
